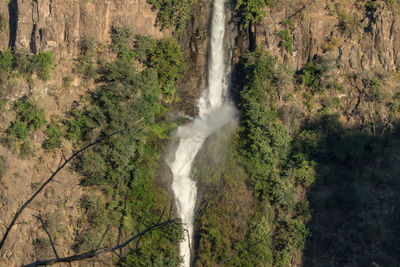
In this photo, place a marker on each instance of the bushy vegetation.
(172, 14)
(7, 64)
(29, 117)
(316, 75)
(279, 200)
(54, 134)
(287, 40)
(7, 60)
(167, 59)
(130, 101)
(144, 47)
(41, 64)
(271, 227)
(86, 62)
(251, 11)
(24, 64)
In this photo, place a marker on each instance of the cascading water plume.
(214, 113)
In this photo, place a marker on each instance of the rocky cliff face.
(360, 42)
(195, 46)
(59, 26)
(316, 22)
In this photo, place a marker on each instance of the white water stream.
(214, 113)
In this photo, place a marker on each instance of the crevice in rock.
(50, 6)
(13, 22)
(32, 43)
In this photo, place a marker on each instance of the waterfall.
(214, 112)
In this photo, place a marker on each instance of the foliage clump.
(167, 58)
(41, 64)
(316, 75)
(86, 62)
(287, 40)
(54, 134)
(172, 14)
(275, 228)
(251, 11)
(130, 100)
(7, 60)
(29, 117)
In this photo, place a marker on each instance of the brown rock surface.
(60, 25)
(359, 53)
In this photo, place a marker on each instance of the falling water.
(214, 113)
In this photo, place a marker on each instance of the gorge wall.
(357, 45)
(60, 26)
(360, 43)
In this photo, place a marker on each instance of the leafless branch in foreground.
(48, 235)
(95, 253)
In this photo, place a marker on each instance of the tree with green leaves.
(250, 11)
(172, 14)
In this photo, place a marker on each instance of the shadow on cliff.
(355, 199)
(13, 22)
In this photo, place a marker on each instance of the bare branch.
(95, 253)
(48, 234)
(21, 209)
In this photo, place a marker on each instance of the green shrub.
(311, 76)
(287, 40)
(316, 75)
(22, 63)
(43, 248)
(29, 116)
(76, 126)
(122, 39)
(41, 64)
(19, 129)
(93, 167)
(35, 186)
(374, 90)
(167, 58)
(54, 134)
(54, 224)
(144, 46)
(29, 112)
(391, 2)
(265, 141)
(172, 14)
(289, 23)
(7, 60)
(86, 62)
(330, 44)
(251, 10)
(124, 166)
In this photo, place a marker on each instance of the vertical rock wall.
(59, 25)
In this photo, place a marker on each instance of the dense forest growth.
(135, 90)
(295, 187)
